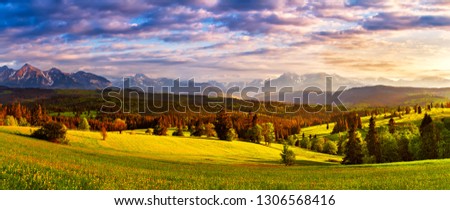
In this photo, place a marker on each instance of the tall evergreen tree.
(359, 121)
(353, 150)
(37, 116)
(373, 143)
(392, 125)
(425, 122)
(408, 110)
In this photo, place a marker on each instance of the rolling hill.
(137, 161)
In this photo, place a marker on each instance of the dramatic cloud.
(227, 39)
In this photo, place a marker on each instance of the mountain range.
(31, 77)
(375, 92)
(296, 81)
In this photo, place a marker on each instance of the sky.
(229, 40)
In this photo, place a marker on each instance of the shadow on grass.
(297, 163)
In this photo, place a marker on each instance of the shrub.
(10, 121)
(178, 132)
(305, 143)
(52, 132)
(317, 144)
(23, 122)
(149, 131)
(84, 125)
(269, 133)
(287, 156)
(160, 130)
(209, 130)
(330, 148)
(199, 129)
(291, 140)
(255, 134)
(231, 134)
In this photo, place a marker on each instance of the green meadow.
(133, 160)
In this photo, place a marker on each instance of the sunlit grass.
(139, 161)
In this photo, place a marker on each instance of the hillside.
(138, 161)
(374, 96)
(378, 96)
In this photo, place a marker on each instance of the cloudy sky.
(229, 40)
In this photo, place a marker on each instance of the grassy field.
(322, 131)
(138, 161)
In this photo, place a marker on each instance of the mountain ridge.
(29, 76)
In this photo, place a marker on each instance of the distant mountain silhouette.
(31, 77)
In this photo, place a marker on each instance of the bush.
(149, 131)
(52, 132)
(10, 121)
(305, 143)
(209, 130)
(160, 130)
(317, 144)
(255, 134)
(291, 140)
(178, 132)
(330, 148)
(23, 122)
(84, 125)
(231, 134)
(287, 156)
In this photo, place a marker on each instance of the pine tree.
(37, 116)
(407, 110)
(222, 125)
(353, 150)
(425, 122)
(254, 120)
(392, 126)
(373, 143)
(359, 122)
(287, 156)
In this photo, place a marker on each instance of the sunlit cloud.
(225, 40)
